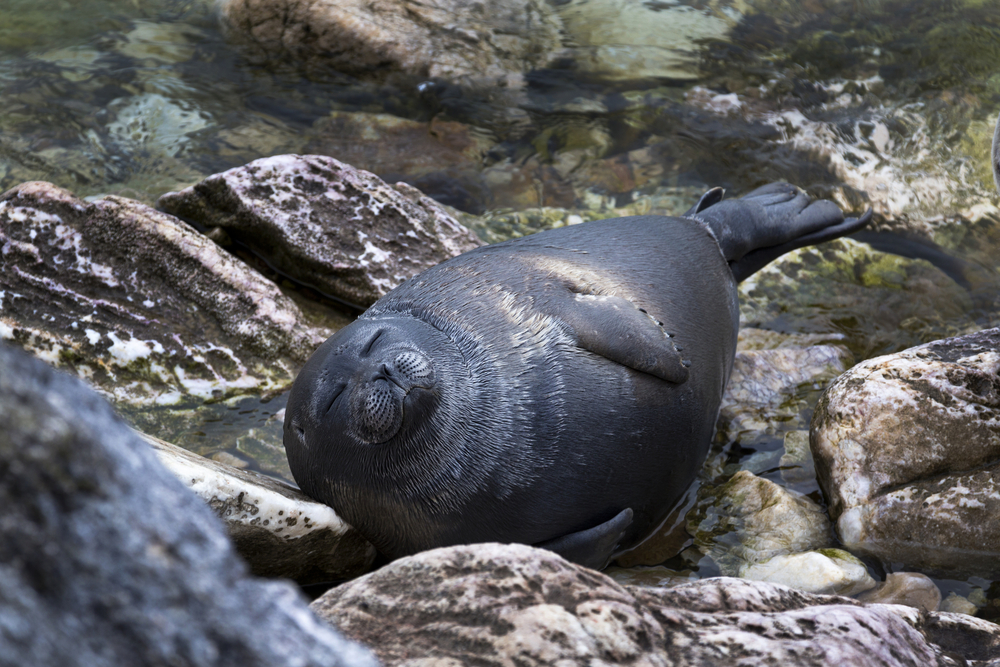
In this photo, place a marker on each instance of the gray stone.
(138, 303)
(906, 449)
(488, 43)
(106, 559)
(277, 530)
(911, 589)
(750, 520)
(492, 604)
(338, 229)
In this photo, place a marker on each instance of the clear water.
(142, 97)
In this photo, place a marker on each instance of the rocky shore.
(847, 510)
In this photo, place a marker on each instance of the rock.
(829, 571)
(494, 604)
(139, 304)
(489, 43)
(768, 388)
(338, 229)
(911, 589)
(277, 530)
(906, 449)
(750, 520)
(106, 559)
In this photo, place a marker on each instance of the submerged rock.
(442, 159)
(338, 229)
(277, 530)
(488, 43)
(494, 604)
(106, 559)
(906, 449)
(139, 304)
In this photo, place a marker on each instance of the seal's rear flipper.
(769, 222)
(593, 547)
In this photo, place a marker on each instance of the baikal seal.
(558, 390)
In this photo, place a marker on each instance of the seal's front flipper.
(615, 329)
(593, 547)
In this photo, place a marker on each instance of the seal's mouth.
(380, 402)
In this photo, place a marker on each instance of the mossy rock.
(881, 302)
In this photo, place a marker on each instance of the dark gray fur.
(568, 381)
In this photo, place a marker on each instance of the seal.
(559, 390)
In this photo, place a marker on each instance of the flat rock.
(487, 43)
(277, 530)
(106, 559)
(492, 604)
(338, 229)
(906, 449)
(138, 303)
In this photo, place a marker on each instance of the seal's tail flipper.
(770, 221)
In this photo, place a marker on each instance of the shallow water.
(870, 102)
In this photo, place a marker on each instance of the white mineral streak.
(125, 352)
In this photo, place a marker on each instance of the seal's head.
(364, 418)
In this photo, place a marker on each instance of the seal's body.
(559, 389)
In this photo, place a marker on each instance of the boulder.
(486, 44)
(105, 557)
(340, 230)
(277, 530)
(906, 449)
(138, 303)
(492, 604)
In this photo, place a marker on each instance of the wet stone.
(768, 389)
(277, 530)
(906, 448)
(911, 589)
(138, 303)
(498, 604)
(749, 520)
(340, 230)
